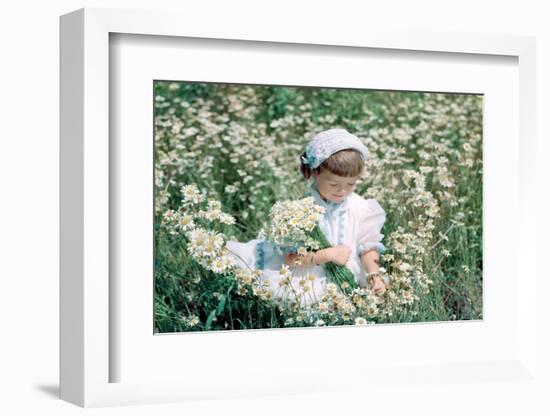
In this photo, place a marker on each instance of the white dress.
(355, 222)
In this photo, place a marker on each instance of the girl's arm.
(371, 262)
(337, 254)
(311, 258)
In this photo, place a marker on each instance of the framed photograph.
(246, 215)
(233, 198)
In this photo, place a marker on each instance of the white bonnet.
(326, 143)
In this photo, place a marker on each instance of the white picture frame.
(85, 353)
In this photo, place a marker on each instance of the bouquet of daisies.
(196, 220)
(295, 224)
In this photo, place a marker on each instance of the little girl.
(334, 159)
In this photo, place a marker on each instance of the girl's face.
(332, 187)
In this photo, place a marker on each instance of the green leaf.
(221, 305)
(209, 320)
(215, 312)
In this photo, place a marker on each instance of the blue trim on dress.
(260, 255)
(289, 250)
(334, 211)
(367, 246)
(341, 227)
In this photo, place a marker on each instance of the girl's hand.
(294, 259)
(377, 285)
(340, 254)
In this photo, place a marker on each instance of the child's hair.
(347, 163)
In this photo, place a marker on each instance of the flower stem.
(337, 274)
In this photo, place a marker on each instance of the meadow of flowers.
(226, 154)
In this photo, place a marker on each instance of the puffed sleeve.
(371, 218)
